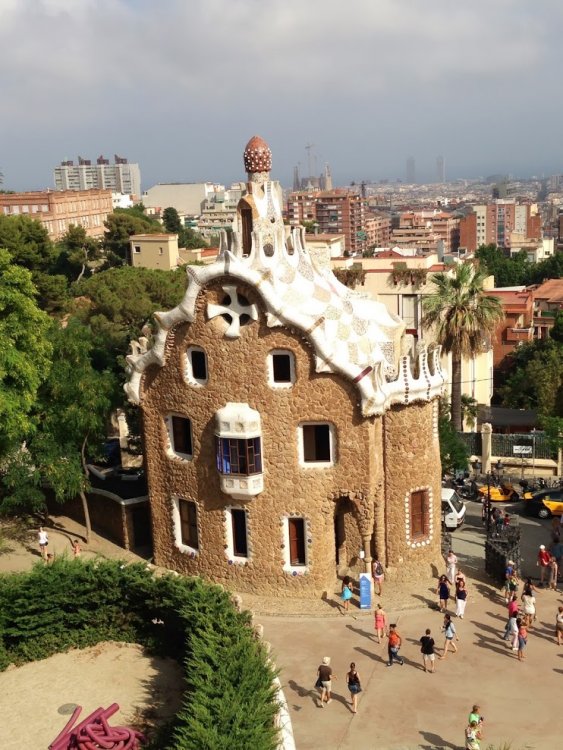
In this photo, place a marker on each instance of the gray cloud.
(180, 86)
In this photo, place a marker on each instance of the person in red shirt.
(393, 646)
(543, 561)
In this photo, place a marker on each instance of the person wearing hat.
(324, 680)
(543, 561)
(509, 572)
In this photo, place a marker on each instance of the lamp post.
(499, 467)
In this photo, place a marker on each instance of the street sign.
(365, 591)
(522, 450)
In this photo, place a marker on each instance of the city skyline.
(179, 88)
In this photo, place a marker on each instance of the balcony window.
(241, 457)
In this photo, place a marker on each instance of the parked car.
(453, 509)
(503, 494)
(545, 503)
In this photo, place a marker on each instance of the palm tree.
(469, 410)
(463, 318)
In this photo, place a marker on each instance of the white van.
(453, 509)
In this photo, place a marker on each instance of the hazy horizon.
(180, 87)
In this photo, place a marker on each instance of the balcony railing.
(519, 334)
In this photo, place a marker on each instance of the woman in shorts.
(378, 574)
(346, 593)
(443, 592)
(325, 677)
(354, 686)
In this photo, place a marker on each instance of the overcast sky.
(179, 86)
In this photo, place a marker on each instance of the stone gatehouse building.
(290, 432)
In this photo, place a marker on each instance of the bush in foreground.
(229, 700)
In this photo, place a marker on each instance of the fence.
(536, 445)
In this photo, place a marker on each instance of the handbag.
(318, 683)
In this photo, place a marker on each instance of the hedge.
(229, 699)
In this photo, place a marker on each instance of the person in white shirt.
(43, 539)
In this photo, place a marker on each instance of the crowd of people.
(452, 598)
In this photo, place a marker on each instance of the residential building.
(495, 222)
(120, 177)
(401, 281)
(287, 437)
(336, 211)
(218, 210)
(324, 246)
(431, 231)
(185, 197)
(517, 327)
(57, 210)
(548, 301)
(536, 249)
(378, 229)
(161, 251)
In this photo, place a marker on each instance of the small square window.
(180, 432)
(281, 368)
(137, 248)
(316, 444)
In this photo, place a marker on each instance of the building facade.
(334, 212)
(495, 223)
(290, 433)
(58, 210)
(120, 177)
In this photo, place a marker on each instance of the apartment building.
(185, 197)
(378, 229)
(57, 210)
(430, 231)
(336, 211)
(219, 210)
(120, 177)
(494, 223)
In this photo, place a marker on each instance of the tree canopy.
(171, 220)
(120, 225)
(24, 353)
(462, 318)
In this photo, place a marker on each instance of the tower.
(411, 170)
(296, 181)
(440, 169)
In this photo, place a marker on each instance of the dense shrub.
(229, 701)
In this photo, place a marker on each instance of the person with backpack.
(393, 646)
(450, 633)
(378, 574)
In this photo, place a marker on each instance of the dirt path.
(36, 700)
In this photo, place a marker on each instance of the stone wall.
(237, 370)
(412, 462)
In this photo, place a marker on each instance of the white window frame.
(276, 352)
(287, 566)
(136, 249)
(332, 443)
(230, 550)
(188, 366)
(172, 452)
(185, 549)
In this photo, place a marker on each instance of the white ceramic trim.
(185, 549)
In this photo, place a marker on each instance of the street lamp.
(498, 468)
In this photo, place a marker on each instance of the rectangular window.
(281, 364)
(316, 443)
(236, 456)
(182, 435)
(188, 523)
(410, 311)
(419, 507)
(137, 248)
(296, 531)
(240, 540)
(199, 364)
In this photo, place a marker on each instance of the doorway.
(345, 534)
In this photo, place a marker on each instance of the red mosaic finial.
(257, 155)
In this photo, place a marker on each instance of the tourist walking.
(393, 645)
(559, 626)
(346, 594)
(325, 676)
(450, 633)
(460, 599)
(443, 592)
(512, 633)
(76, 548)
(522, 639)
(552, 573)
(427, 651)
(451, 564)
(528, 608)
(475, 715)
(508, 571)
(378, 573)
(43, 540)
(513, 608)
(380, 623)
(543, 561)
(354, 686)
(472, 736)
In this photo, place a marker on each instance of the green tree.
(535, 379)
(462, 317)
(25, 352)
(117, 303)
(507, 271)
(77, 253)
(171, 220)
(120, 225)
(556, 332)
(469, 410)
(190, 239)
(28, 243)
(454, 454)
(72, 410)
(550, 268)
